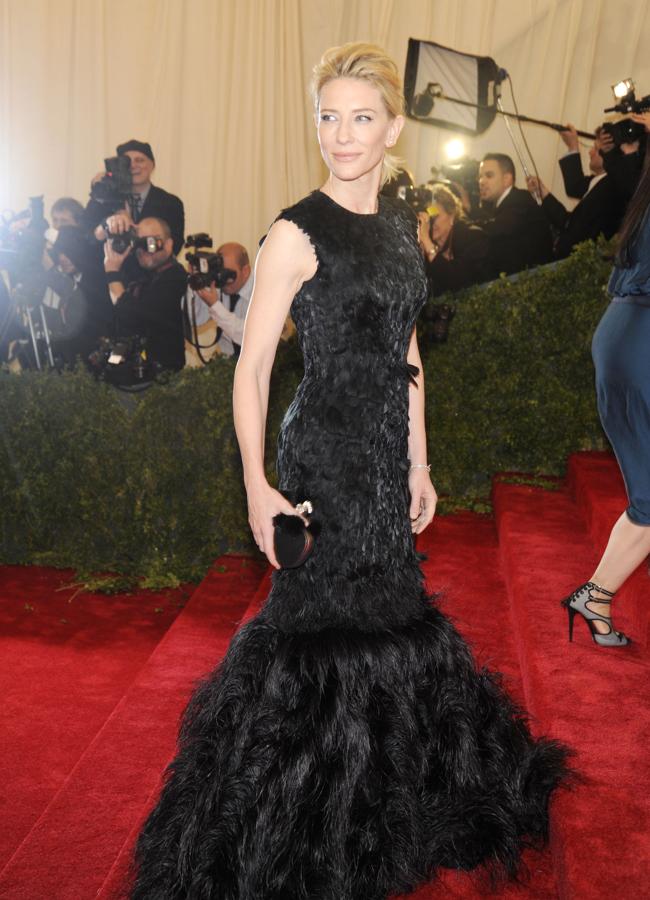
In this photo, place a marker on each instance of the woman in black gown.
(346, 747)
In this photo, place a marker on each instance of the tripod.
(38, 330)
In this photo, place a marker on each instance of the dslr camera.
(207, 267)
(625, 131)
(121, 242)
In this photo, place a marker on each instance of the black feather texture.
(347, 747)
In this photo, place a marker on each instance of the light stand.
(434, 91)
(506, 119)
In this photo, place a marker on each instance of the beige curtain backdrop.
(219, 88)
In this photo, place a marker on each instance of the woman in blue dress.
(621, 352)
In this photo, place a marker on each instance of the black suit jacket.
(159, 203)
(163, 205)
(576, 182)
(599, 212)
(151, 308)
(625, 169)
(519, 233)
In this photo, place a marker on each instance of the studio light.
(455, 149)
(449, 89)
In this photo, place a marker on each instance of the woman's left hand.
(423, 500)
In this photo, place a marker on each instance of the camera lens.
(120, 242)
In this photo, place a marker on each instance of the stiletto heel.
(578, 601)
(571, 611)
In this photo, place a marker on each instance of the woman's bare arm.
(423, 494)
(285, 261)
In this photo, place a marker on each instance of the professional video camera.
(625, 131)
(123, 362)
(420, 198)
(121, 242)
(207, 268)
(116, 186)
(22, 239)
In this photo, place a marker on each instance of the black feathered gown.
(347, 747)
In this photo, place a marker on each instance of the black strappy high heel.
(578, 601)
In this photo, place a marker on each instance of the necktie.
(233, 300)
(136, 207)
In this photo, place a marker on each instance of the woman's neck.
(359, 196)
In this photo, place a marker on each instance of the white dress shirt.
(231, 323)
(503, 196)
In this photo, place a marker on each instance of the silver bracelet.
(421, 466)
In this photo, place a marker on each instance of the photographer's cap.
(138, 146)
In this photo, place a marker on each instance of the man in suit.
(600, 208)
(146, 201)
(519, 234)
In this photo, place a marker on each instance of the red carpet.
(72, 846)
(502, 587)
(64, 664)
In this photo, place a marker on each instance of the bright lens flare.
(454, 149)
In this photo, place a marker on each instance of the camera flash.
(623, 88)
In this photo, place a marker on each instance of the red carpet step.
(463, 567)
(69, 851)
(504, 597)
(592, 698)
(597, 486)
(114, 887)
(65, 661)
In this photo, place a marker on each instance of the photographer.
(149, 307)
(66, 211)
(623, 162)
(519, 235)
(455, 252)
(228, 307)
(600, 208)
(77, 313)
(138, 200)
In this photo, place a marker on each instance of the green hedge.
(150, 486)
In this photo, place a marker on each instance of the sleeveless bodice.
(361, 305)
(343, 443)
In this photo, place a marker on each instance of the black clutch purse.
(293, 541)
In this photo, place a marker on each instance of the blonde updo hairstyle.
(368, 63)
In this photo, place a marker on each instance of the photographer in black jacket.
(149, 307)
(455, 252)
(77, 306)
(146, 200)
(601, 206)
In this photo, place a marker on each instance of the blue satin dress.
(621, 354)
